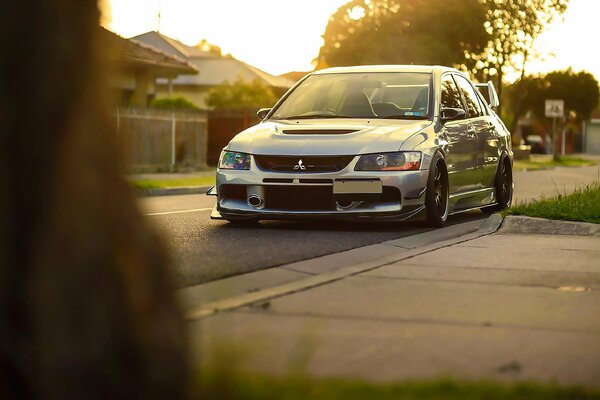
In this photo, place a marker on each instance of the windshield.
(402, 95)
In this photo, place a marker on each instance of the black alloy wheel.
(436, 198)
(503, 187)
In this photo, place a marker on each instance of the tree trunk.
(87, 309)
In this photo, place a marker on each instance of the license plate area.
(362, 186)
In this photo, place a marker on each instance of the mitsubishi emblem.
(300, 166)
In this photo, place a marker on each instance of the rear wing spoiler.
(489, 93)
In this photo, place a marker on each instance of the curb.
(540, 226)
(172, 191)
(490, 226)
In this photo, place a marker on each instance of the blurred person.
(87, 308)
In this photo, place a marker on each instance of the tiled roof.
(171, 46)
(212, 69)
(132, 52)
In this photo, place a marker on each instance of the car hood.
(320, 137)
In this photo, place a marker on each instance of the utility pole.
(554, 109)
(159, 10)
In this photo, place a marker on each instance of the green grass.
(582, 205)
(171, 183)
(238, 387)
(545, 163)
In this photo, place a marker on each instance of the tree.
(210, 48)
(87, 308)
(404, 32)
(241, 94)
(513, 26)
(579, 90)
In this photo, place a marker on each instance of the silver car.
(370, 142)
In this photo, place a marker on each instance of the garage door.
(592, 139)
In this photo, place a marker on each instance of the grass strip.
(535, 165)
(245, 387)
(173, 183)
(582, 205)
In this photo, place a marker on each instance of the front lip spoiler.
(277, 215)
(212, 191)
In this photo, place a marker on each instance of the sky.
(279, 36)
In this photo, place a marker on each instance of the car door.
(461, 158)
(481, 127)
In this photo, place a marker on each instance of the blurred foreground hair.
(87, 308)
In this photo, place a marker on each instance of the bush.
(173, 103)
(241, 94)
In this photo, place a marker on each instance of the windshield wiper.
(403, 116)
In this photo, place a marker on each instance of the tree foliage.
(241, 94)
(579, 90)
(484, 37)
(404, 32)
(513, 27)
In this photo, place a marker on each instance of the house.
(591, 141)
(137, 66)
(213, 69)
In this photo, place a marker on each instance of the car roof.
(386, 68)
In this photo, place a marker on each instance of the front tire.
(437, 193)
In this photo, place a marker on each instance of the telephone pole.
(159, 10)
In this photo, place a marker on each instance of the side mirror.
(451, 114)
(263, 112)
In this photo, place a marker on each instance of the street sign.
(555, 108)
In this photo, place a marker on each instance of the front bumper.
(288, 195)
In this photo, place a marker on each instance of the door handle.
(471, 131)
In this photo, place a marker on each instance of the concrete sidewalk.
(508, 305)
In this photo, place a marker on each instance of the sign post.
(554, 109)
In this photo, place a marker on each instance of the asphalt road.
(206, 250)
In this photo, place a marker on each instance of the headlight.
(398, 161)
(234, 160)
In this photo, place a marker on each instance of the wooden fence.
(161, 139)
(223, 125)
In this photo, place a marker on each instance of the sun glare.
(279, 36)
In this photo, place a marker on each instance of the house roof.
(212, 69)
(295, 75)
(136, 54)
(172, 46)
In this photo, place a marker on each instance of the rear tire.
(503, 187)
(437, 193)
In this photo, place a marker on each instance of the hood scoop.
(318, 131)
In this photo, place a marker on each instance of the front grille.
(302, 164)
(299, 198)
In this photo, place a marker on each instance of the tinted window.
(359, 95)
(450, 94)
(482, 103)
(470, 96)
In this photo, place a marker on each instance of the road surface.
(205, 250)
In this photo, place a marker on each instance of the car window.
(470, 96)
(450, 93)
(401, 95)
(482, 102)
